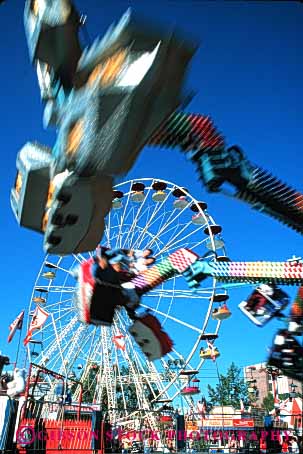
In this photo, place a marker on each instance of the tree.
(268, 402)
(230, 390)
(89, 383)
(130, 393)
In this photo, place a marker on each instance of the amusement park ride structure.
(107, 102)
(67, 344)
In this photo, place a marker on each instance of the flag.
(119, 340)
(242, 409)
(37, 321)
(17, 324)
(212, 350)
(284, 404)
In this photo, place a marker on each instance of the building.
(266, 380)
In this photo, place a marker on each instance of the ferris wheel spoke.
(172, 231)
(140, 227)
(52, 346)
(158, 377)
(172, 220)
(61, 316)
(92, 385)
(174, 319)
(152, 220)
(68, 290)
(64, 346)
(58, 343)
(60, 306)
(75, 346)
(122, 220)
(183, 243)
(108, 228)
(171, 240)
(138, 230)
(146, 230)
(92, 335)
(134, 221)
(150, 236)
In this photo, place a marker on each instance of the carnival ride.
(95, 101)
(107, 102)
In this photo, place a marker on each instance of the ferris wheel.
(146, 214)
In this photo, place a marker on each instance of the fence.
(68, 432)
(56, 436)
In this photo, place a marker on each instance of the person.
(263, 446)
(146, 445)
(285, 445)
(142, 259)
(294, 446)
(125, 447)
(234, 446)
(171, 446)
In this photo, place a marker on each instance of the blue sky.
(248, 76)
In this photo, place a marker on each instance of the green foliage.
(89, 383)
(130, 394)
(230, 389)
(268, 402)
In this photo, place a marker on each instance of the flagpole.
(16, 325)
(18, 348)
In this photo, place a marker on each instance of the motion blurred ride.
(264, 303)
(287, 355)
(115, 279)
(105, 102)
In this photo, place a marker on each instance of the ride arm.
(283, 273)
(216, 164)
